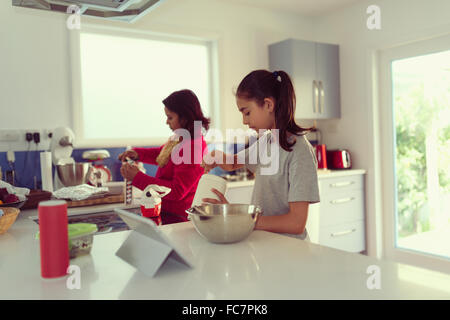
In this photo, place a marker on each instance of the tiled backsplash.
(27, 164)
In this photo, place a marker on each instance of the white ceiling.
(304, 7)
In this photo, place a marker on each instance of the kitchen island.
(264, 266)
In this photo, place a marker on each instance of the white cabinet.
(339, 218)
(314, 70)
(345, 236)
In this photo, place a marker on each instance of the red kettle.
(321, 155)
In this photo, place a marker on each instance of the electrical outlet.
(28, 136)
(36, 137)
(9, 135)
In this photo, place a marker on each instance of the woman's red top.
(182, 178)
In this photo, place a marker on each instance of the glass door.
(421, 150)
(414, 126)
(421, 105)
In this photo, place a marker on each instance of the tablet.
(146, 227)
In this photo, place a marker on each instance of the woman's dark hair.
(186, 105)
(261, 84)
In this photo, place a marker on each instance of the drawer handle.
(338, 201)
(341, 184)
(343, 233)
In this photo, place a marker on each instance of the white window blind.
(123, 80)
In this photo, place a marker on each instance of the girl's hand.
(209, 161)
(128, 154)
(215, 201)
(129, 171)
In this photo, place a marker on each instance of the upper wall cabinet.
(314, 70)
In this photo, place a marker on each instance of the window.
(120, 79)
(421, 96)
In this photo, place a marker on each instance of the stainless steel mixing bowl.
(73, 174)
(224, 223)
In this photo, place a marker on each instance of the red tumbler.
(54, 238)
(153, 213)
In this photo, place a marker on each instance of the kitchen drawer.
(340, 207)
(346, 183)
(347, 236)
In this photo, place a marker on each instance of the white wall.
(402, 21)
(35, 64)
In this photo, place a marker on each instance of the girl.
(182, 108)
(267, 102)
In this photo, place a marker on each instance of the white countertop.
(323, 174)
(264, 266)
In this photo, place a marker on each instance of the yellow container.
(8, 218)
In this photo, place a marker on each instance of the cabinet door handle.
(341, 184)
(322, 97)
(343, 233)
(316, 96)
(338, 201)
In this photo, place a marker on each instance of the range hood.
(118, 10)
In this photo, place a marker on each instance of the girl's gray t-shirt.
(282, 176)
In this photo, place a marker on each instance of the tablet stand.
(147, 250)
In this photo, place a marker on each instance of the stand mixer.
(68, 172)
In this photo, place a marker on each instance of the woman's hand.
(128, 154)
(215, 201)
(129, 171)
(217, 158)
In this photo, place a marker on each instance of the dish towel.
(21, 193)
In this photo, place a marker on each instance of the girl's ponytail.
(261, 84)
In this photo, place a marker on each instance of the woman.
(179, 160)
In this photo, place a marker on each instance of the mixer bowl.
(224, 223)
(73, 174)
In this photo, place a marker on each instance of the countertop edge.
(339, 173)
(321, 175)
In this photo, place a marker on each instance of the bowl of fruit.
(7, 217)
(10, 200)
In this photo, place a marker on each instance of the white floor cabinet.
(338, 221)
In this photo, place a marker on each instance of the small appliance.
(67, 171)
(98, 174)
(321, 155)
(339, 159)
